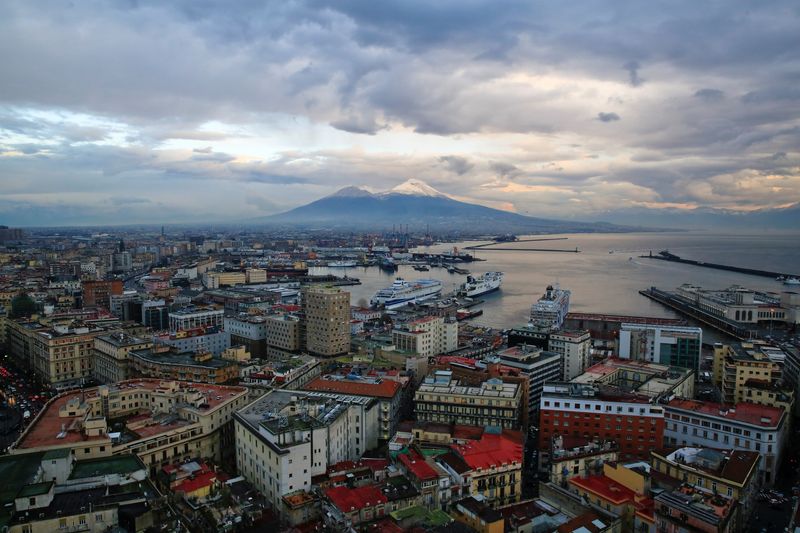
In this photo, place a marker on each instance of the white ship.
(489, 282)
(342, 264)
(552, 308)
(403, 292)
(791, 281)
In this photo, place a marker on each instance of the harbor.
(665, 255)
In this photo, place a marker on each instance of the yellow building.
(745, 373)
(478, 516)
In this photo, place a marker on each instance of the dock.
(667, 256)
(494, 243)
(683, 307)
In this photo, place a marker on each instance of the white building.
(195, 317)
(744, 426)
(667, 345)
(575, 350)
(428, 336)
(286, 437)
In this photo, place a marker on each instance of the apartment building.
(690, 509)
(742, 426)
(249, 331)
(574, 347)
(163, 362)
(200, 339)
(283, 335)
(537, 365)
(160, 421)
(441, 398)
(751, 372)
(111, 355)
(195, 317)
(285, 438)
(427, 336)
(666, 345)
(63, 355)
(387, 392)
(98, 293)
(326, 321)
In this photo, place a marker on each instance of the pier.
(685, 308)
(667, 256)
(492, 244)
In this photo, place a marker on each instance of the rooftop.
(117, 464)
(746, 413)
(734, 465)
(347, 499)
(605, 487)
(492, 450)
(417, 466)
(380, 388)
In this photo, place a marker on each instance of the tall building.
(249, 331)
(742, 426)
(751, 372)
(443, 399)
(574, 346)
(283, 335)
(537, 365)
(98, 293)
(195, 317)
(667, 345)
(428, 336)
(326, 317)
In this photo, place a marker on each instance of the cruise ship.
(342, 264)
(403, 292)
(552, 308)
(489, 282)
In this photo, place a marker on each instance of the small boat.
(421, 268)
(791, 281)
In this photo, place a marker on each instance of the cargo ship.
(403, 292)
(387, 263)
(490, 281)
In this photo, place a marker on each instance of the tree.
(22, 305)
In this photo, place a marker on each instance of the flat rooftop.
(748, 413)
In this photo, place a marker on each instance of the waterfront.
(600, 281)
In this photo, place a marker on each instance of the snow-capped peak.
(352, 191)
(415, 187)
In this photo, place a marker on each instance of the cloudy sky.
(138, 111)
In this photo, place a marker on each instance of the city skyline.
(114, 113)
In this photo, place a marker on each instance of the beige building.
(575, 349)
(111, 355)
(745, 373)
(256, 275)
(64, 354)
(326, 319)
(162, 421)
(441, 398)
(282, 335)
(428, 336)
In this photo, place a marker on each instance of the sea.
(606, 274)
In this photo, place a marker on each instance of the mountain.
(787, 218)
(419, 205)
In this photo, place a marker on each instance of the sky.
(196, 111)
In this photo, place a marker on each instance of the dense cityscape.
(185, 380)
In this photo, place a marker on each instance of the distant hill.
(419, 205)
(708, 218)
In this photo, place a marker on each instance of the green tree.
(22, 305)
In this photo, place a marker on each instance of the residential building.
(63, 355)
(284, 438)
(250, 331)
(751, 372)
(326, 321)
(200, 339)
(387, 392)
(160, 421)
(283, 335)
(576, 456)
(441, 398)
(478, 516)
(731, 473)
(164, 362)
(98, 293)
(740, 426)
(574, 347)
(427, 336)
(195, 317)
(691, 509)
(111, 355)
(537, 365)
(634, 421)
(667, 345)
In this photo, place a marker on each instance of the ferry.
(489, 282)
(404, 292)
(791, 281)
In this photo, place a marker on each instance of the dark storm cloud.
(607, 117)
(457, 164)
(710, 95)
(633, 73)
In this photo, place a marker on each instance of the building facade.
(666, 345)
(111, 355)
(326, 320)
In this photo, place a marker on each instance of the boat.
(421, 268)
(343, 264)
(403, 292)
(489, 282)
(387, 263)
(791, 281)
(552, 308)
(465, 314)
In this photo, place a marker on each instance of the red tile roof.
(347, 499)
(386, 388)
(749, 413)
(199, 481)
(492, 450)
(417, 466)
(605, 488)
